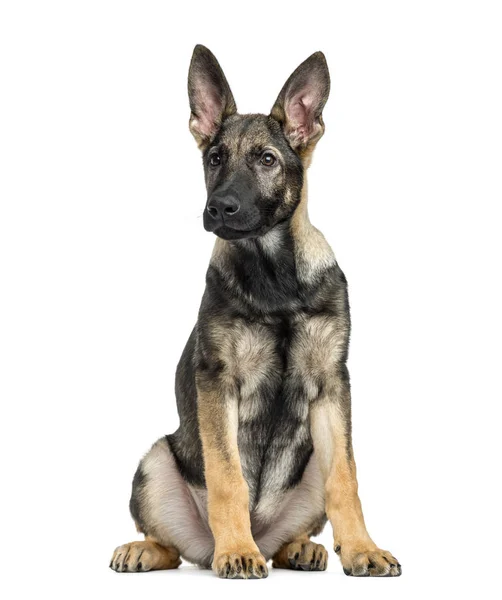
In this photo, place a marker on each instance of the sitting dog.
(263, 454)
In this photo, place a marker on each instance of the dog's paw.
(368, 562)
(240, 565)
(302, 556)
(138, 557)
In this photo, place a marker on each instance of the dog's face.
(253, 177)
(254, 164)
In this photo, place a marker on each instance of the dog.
(263, 454)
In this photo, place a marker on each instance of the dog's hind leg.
(144, 556)
(301, 554)
(170, 513)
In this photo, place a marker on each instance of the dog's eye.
(268, 159)
(214, 159)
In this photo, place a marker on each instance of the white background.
(103, 256)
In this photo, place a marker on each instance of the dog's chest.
(279, 371)
(289, 361)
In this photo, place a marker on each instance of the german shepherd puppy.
(263, 455)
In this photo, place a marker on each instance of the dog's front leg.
(236, 554)
(331, 433)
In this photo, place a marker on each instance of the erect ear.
(299, 105)
(211, 100)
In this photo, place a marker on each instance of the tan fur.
(228, 495)
(148, 555)
(318, 347)
(247, 350)
(301, 554)
(313, 252)
(357, 550)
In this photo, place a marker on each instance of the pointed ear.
(211, 100)
(299, 105)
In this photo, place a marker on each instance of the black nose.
(223, 207)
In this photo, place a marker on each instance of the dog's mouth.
(229, 233)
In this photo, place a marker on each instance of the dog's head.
(254, 164)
